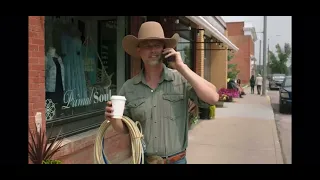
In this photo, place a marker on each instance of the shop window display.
(185, 44)
(76, 81)
(185, 48)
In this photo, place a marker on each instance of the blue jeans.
(181, 161)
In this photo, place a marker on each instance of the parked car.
(269, 76)
(285, 95)
(276, 80)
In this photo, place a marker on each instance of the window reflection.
(184, 47)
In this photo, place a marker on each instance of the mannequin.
(54, 79)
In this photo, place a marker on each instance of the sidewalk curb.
(278, 150)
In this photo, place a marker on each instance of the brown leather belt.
(154, 159)
(174, 158)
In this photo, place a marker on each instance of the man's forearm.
(204, 89)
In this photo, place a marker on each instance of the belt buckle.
(153, 159)
(167, 160)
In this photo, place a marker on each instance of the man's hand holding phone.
(173, 57)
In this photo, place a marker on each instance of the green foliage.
(278, 64)
(40, 149)
(232, 68)
(193, 113)
(49, 161)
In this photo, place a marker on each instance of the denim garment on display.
(65, 41)
(79, 63)
(74, 65)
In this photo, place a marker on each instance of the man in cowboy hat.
(158, 96)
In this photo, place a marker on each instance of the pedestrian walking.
(259, 83)
(252, 84)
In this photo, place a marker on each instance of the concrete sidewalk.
(243, 132)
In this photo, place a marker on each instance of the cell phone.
(168, 59)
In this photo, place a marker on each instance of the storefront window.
(82, 63)
(184, 47)
(185, 44)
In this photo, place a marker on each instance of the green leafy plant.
(232, 68)
(193, 113)
(278, 64)
(49, 161)
(40, 149)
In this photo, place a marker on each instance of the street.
(283, 122)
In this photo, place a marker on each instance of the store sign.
(70, 99)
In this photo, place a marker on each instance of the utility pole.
(260, 58)
(264, 91)
(268, 58)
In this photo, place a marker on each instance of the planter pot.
(230, 99)
(204, 113)
(219, 104)
(212, 112)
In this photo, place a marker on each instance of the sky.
(278, 30)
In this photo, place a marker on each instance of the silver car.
(276, 81)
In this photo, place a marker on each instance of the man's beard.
(154, 62)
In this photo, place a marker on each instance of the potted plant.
(212, 112)
(219, 104)
(41, 150)
(193, 114)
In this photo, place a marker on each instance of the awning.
(212, 30)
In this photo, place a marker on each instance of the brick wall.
(245, 45)
(199, 64)
(235, 28)
(36, 69)
(79, 149)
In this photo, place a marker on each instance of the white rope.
(136, 142)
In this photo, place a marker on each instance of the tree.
(279, 64)
(232, 68)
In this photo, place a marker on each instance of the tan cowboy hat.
(148, 31)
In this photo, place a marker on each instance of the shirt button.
(155, 137)
(155, 122)
(151, 90)
(154, 105)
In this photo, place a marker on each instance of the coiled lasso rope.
(136, 142)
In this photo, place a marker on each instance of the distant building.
(243, 35)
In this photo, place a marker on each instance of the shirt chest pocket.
(137, 109)
(173, 105)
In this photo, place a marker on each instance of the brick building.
(243, 35)
(95, 66)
